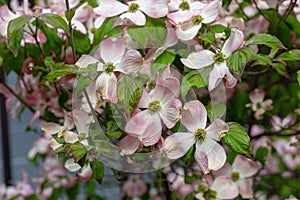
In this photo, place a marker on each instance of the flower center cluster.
(202, 188)
(154, 106)
(133, 7)
(200, 134)
(197, 19)
(151, 85)
(235, 176)
(109, 68)
(184, 5)
(219, 57)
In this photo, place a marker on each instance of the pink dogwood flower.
(112, 51)
(134, 187)
(160, 106)
(133, 10)
(203, 58)
(236, 179)
(188, 29)
(258, 105)
(209, 154)
(279, 124)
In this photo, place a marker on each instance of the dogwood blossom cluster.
(143, 73)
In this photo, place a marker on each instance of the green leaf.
(261, 154)
(98, 171)
(154, 30)
(281, 69)
(70, 14)
(193, 78)
(82, 42)
(218, 28)
(9, 61)
(53, 42)
(77, 150)
(55, 21)
(162, 60)
(62, 71)
(104, 30)
(73, 191)
(15, 31)
(82, 83)
(215, 111)
(265, 39)
(262, 59)
(129, 90)
(237, 139)
(208, 37)
(292, 55)
(237, 60)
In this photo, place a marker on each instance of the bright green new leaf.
(292, 55)
(161, 62)
(281, 69)
(237, 139)
(265, 39)
(194, 78)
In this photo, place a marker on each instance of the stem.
(270, 134)
(259, 10)
(17, 96)
(71, 33)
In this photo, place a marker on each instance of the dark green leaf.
(280, 68)
(265, 39)
(262, 59)
(98, 171)
(298, 76)
(82, 83)
(261, 154)
(237, 139)
(82, 42)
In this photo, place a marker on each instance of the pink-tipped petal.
(172, 83)
(152, 133)
(225, 187)
(131, 63)
(210, 155)
(245, 188)
(110, 8)
(129, 145)
(235, 41)
(194, 115)
(217, 129)
(154, 8)
(244, 166)
(137, 125)
(107, 87)
(138, 18)
(187, 31)
(211, 11)
(71, 165)
(85, 174)
(198, 60)
(145, 99)
(257, 96)
(180, 17)
(112, 49)
(219, 72)
(178, 144)
(86, 60)
(171, 114)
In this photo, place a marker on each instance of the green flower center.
(133, 7)
(235, 176)
(184, 5)
(219, 57)
(154, 106)
(197, 19)
(259, 105)
(200, 134)
(202, 188)
(151, 85)
(93, 30)
(109, 68)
